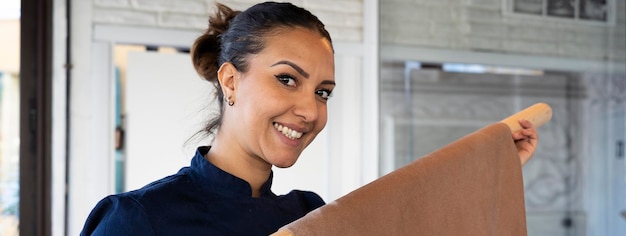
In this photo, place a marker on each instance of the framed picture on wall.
(562, 8)
(593, 10)
(534, 7)
(599, 11)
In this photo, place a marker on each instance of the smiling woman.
(273, 67)
(274, 71)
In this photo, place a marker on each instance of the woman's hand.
(526, 141)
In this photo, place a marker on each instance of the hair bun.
(206, 48)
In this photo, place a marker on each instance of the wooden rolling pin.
(538, 114)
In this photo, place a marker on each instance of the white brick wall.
(343, 18)
(470, 25)
(482, 25)
(125, 16)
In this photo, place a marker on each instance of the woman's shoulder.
(132, 211)
(308, 200)
(117, 214)
(169, 190)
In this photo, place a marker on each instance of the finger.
(525, 123)
(518, 136)
(529, 133)
(525, 134)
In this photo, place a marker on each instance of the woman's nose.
(307, 108)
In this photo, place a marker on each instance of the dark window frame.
(35, 117)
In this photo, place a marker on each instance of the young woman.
(273, 68)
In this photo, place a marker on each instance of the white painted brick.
(438, 42)
(226, 2)
(408, 37)
(355, 7)
(618, 31)
(487, 29)
(418, 26)
(445, 29)
(621, 18)
(457, 24)
(482, 43)
(439, 2)
(345, 34)
(245, 4)
(344, 20)
(388, 37)
(618, 55)
(445, 14)
(405, 11)
(238, 6)
(250, 2)
(537, 34)
(242, 5)
(592, 39)
(531, 47)
(465, 27)
(620, 8)
(123, 16)
(404, 21)
(581, 51)
(423, 29)
(592, 30)
(619, 41)
(183, 6)
(565, 35)
(515, 20)
(182, 20)
(484, 2)
(294, 2)
(112, 3)
(569, 25)
(483, 15)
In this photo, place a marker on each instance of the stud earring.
(228, 101)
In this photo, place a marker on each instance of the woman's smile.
(289, 133)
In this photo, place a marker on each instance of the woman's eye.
(286, 80)
(323, 93)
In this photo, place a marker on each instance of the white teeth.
(291, 134)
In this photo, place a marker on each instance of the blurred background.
(99, 97)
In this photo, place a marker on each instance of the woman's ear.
(227, 76)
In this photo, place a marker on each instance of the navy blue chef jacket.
(199, 200)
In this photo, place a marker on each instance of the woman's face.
(280, 101)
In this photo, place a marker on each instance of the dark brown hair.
(233, 36)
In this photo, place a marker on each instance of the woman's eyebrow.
(294, 66)
(328, 82)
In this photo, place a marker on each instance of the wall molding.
(403, 53)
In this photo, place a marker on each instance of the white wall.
(343, 18)
(486, 26)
